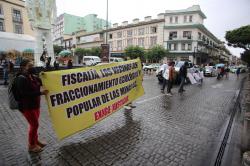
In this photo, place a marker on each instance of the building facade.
(13, 17)
(180, 31)
(69, 24)
(15, 30)
(188, 39)
(145, 34)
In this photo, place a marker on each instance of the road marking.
(143, 101)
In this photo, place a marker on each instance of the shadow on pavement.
(110, 148)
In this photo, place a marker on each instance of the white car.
(91, 60)
(151, 67)
(115, 59)
(210, 71)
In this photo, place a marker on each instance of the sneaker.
(35, 149)
(132, 106)
(169, 94)
(41, 144)
(127, 107)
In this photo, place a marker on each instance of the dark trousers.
(164, 84)
(182, 84)
(170, 85)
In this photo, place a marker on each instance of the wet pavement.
(162, 130)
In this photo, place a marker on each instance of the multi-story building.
(15, 29)
(187, 38)
(69, 24)
(180, 31)
(145, 34)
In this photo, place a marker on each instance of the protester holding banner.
(28, 90)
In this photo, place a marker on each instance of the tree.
(239, 37)
(156, 53)
(134, 52)
(57, 49)
(245, 56)
(95, 51)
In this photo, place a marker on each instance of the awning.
(19, 42)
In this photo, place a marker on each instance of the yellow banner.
(79, 98)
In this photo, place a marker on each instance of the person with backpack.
(26, 90)
(183, 76)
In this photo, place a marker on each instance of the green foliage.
(95, 51)
(239, 37)
(156, 53)
(245, 56)
(57, 49)
(134, 52)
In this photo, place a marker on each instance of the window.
(110, 36)
(111, 46)
(129, 33)
(176, 19)
(172, 47)
(119, 44)
(172, 35)
(130, 42)
(175, 46)
(119, 34)
(141, 31)
(203, 38)
(185, 18)
(1, 10)
(189, 47)
(141, 41)
(190, 18)
(18, 28)
(153, 29)
(199, 35)
(187, 34)
(183, 46)
(153, 40)
(1, 25)
(17, 15)
(171, 19)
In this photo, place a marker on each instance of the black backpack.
(13, 93)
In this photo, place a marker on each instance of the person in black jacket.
(28, 87)
(183, 76)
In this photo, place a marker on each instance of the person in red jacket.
(28, 87)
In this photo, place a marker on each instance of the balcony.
(17, 19)
(181, 38)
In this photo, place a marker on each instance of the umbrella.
(28, 50)
(220, 65)
(65, 53)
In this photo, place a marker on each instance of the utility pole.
(107, 17)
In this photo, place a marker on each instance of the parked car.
(151, 67)
(181, 63)
(115, 59)
(210, 71)
(91, 60)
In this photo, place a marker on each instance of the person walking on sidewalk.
(183, 76)
(170, 78)
(165, 74)
(28, 92)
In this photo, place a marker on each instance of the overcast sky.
(222, 15)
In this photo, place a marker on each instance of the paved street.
(164, 131)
